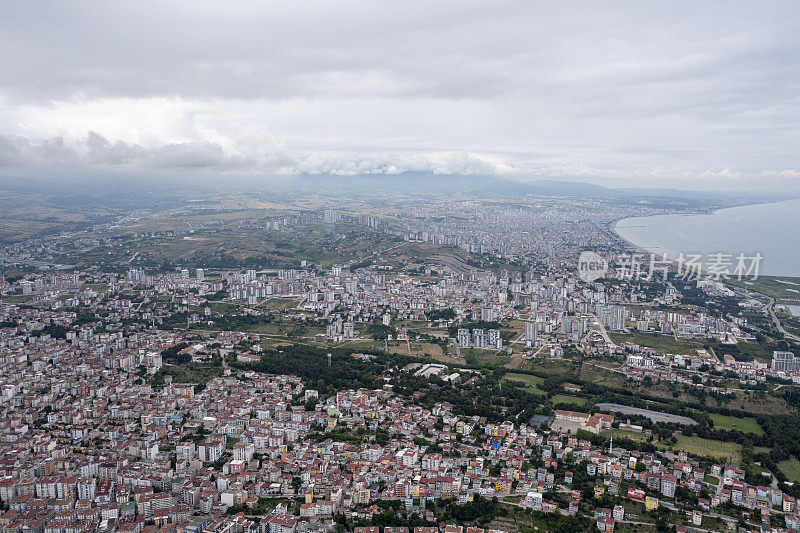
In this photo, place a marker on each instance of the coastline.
(634, 247)
(709, 211)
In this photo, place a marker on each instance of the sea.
(772, 229)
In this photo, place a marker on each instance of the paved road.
(770, 307)
(602, 329)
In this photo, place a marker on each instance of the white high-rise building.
(530, 331)
(612, 316)
(331, 216)
(464, 338)
(495, 340)
(479, 339)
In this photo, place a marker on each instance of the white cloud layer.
(677, 94)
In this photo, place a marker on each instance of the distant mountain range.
(131, 189)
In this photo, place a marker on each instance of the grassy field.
(707, 448)
(530, 382)
(791, 467)
(747, 425)
(427, 348)
(484, 358)
(17, 298)
(660, 343)
(601, 376)
(278, 303)
(562, 398)
(223, 307)
(622, 434)
(543, 364)
(272, 343)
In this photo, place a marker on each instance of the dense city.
(406, 375)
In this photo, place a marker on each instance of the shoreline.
(636, 248)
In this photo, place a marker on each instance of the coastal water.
(773, 230)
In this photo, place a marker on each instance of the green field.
(602, 376)
(660, 343)
(547, 365)
(188, 373)
(561, 398)
(17, 298)
(484, 358)
(791, 467)
(623, 434)
(279, 303)
(530, 382)
(707, 448)
(746, 425)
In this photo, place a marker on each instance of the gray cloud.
(645, 94)
(96, 150)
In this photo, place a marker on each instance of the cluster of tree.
(382, 436)
(56, 331)
(379, 331)
(197, 373)
(441, 314)
(391, 514)
(479, 509)
(262, 507)
(84, 316)
(241, 322)
(173, 356)
(217, 296)
(311, 364)
(486, 397)
(792, 396)
(431, 447)
(783, 432)
(361, 264)
(352, 437)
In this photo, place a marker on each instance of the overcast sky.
(693, 94)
